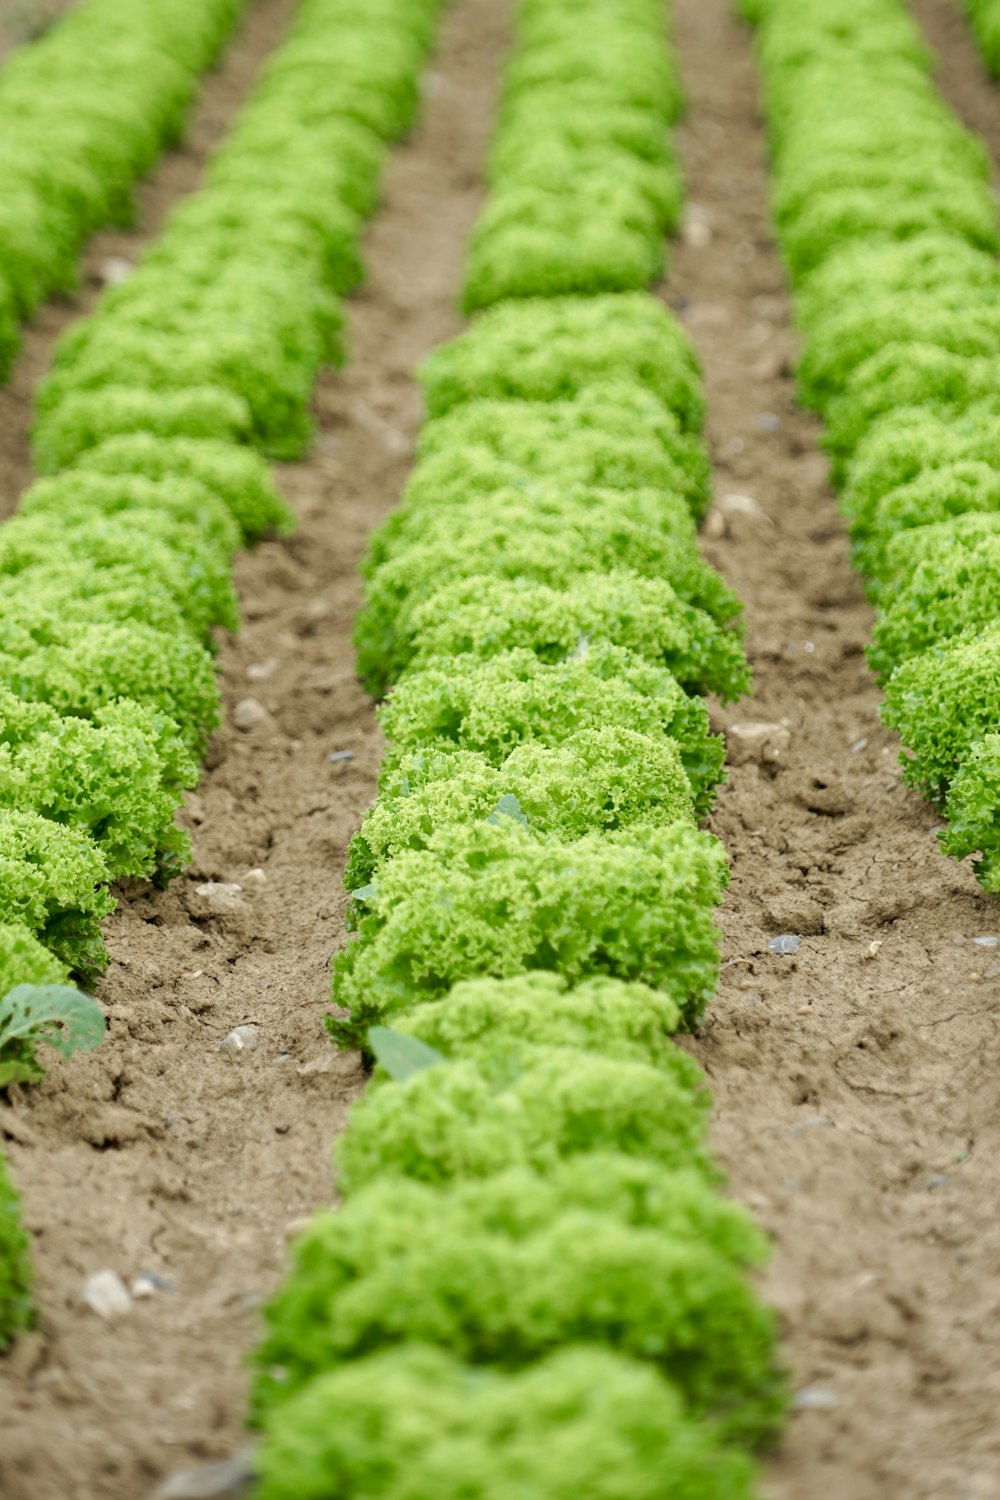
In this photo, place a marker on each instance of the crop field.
(499, 749)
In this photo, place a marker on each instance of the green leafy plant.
(641, 1259)
(518, 1103)
(943, 702)
(598, 779)
(52, 881)
(985, 18)
(630, 1022)
(549, 349)
(485, 616)
(85, 112)
(493, 706)
(494, 899)
(534, 238)
(240, 477)
(16, 1310)
(947, 582)
(882, 200)
(956, 489)
(552, 536)
(612, 434)
(83, 419)
(973, 808)
(580, 1424)
(54, 1014)
(24, 960)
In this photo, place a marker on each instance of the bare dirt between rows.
(855, 1082)
(24, 21)
(158, 1152)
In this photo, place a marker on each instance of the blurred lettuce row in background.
(85, 111)
(154, 426)
(888, 224)
(534, 1284)
(984, 18)
(155, 423)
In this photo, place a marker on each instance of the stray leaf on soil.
(57, 1014)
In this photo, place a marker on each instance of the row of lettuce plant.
(534, 1285)
(984, 18)
(155, 422)
(84, 113)
(888, 225)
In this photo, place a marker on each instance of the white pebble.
(107, 1295)
(115, 269)
(816, 1398)
(249, 714)
(240, 1039)
(222, 897)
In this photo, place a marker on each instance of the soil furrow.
(960, 72)
(25, 21)
(160, 1152)
(854, 1079)
(111, 252)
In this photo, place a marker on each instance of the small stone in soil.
(107, 1295)
(339, 755)
(813, 1123)
(785, 942)
(222, 898)
(115, 269)
(697, 233)
(282, 1127)
(255, 876)
(928, 1184)
(816, 1398)
(858, 745)
(240, 1039)
(756, 740)
(249, 714)
(227, 1480)
(768, 422)
(260, 671)
(986, 942)
(148, 1283)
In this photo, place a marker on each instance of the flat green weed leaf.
(401, 1056)
(57, 1014)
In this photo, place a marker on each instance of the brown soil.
(855, 1082)
(961, 73)
(159, 1152)
(23, 21)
